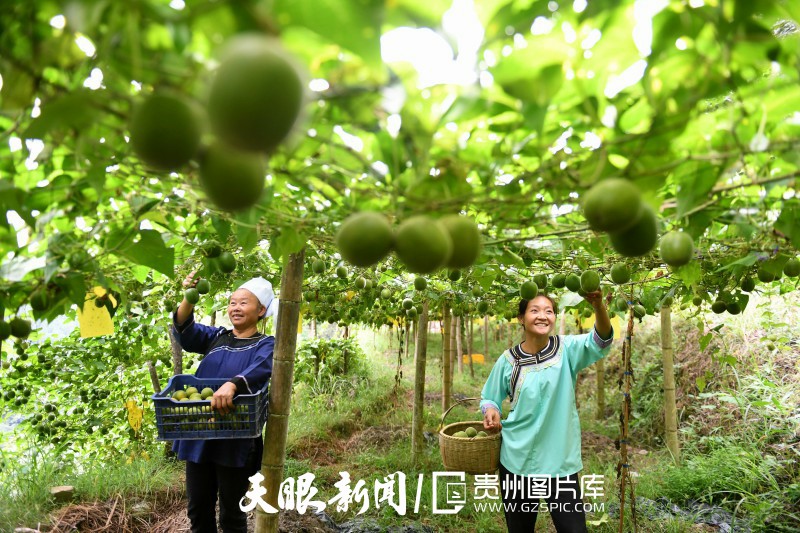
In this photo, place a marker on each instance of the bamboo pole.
(453, 336)
(177, 354)
(417, 439)
(459, 346)
(280, 390)
(447, 382)
(623, 466)
(486, 338)
(405, 344)
(470, 345)
(670, 409)
(600, 392)
(151, 368)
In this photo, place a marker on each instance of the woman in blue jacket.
(542, 433)
(244, 356)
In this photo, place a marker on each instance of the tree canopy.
(703, 117)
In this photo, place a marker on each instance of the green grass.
(26, 479)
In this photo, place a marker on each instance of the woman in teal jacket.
(540, 456)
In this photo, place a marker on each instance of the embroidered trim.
(600, 341)
(523, 362)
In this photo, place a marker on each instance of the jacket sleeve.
(252, 378)
(194, 337)
(496, 388)
(584, 350)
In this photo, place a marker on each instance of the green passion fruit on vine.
(192, 295)
(422, 244)
(612, 205)
(257, 94)
(232, 179)
(590, 281)
(226, 262)
(454, 275)
(420, 283)
(165, 132)
(341, 272)
(792, 268)
(639, 238)
(620, 273)
(528, 290)
(20, 328)
(719, 306)
(364, 238)
(483, 307)
(318, 266)
(748, 284)
(573, 282)
(540, 280)
(676, 248)
(559, 281)
(765, 275)
(466, 239)
(203, 286)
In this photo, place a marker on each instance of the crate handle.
(457, 402)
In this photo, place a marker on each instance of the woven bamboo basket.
(472, 456)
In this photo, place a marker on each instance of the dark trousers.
(521, 509)
(203, 482)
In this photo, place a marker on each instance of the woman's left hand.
(594, 298)
(222, 400)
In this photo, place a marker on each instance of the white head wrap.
(262, 289)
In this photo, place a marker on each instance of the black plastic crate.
(194, 419)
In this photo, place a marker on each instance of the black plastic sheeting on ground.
(366, 525)
(695, 512)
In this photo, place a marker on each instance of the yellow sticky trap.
(95, 321)
(134, 415)
(588, 323)
(477, 358)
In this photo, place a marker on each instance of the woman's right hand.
(190, 280)
(491, 420)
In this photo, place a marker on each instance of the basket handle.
(457, 402)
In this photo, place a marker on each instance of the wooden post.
(670, 409)
(447, 382)
(623, 467)
(407, 333)
(280, 390)
(459, 346)
(486, 338)
(600, 378)
(417, 439)
(177, 354)
(151, 368)
(470, 345)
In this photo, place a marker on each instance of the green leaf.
(701, 383)
(246, 232)
(151, 251)
(704, 340)
(689, 273)
(749, 260)
(694, 181)
(286, 243)
(788, 222)
(352, 24)
(75, 111)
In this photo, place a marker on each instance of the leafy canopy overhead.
(705, 121)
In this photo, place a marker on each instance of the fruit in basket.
(191, 390)
(471, 432)
(482, 434)
(460, 435)
(196, 396)
(206, 392)
(179, 395)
